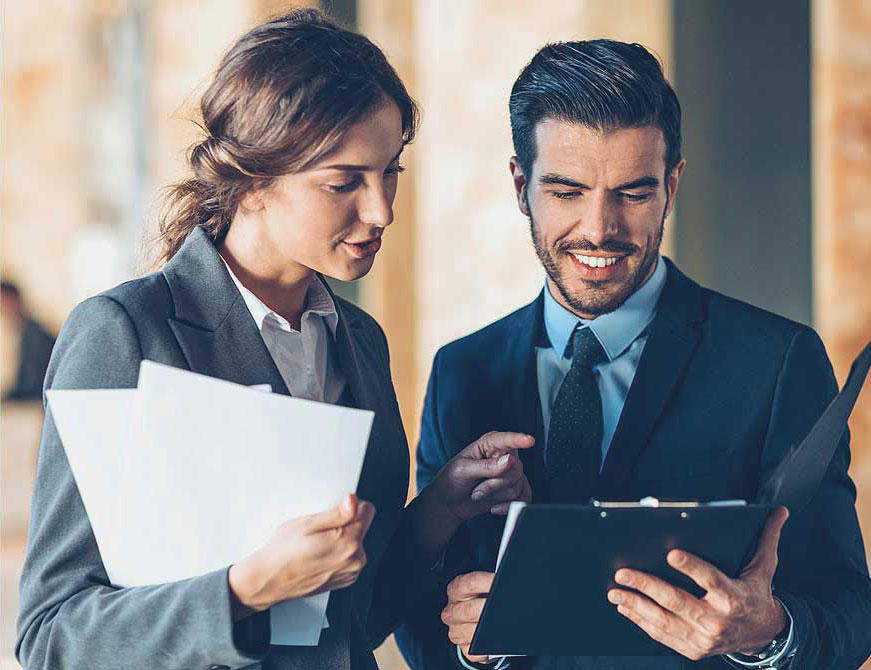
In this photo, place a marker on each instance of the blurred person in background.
(295, 181)
(26, 346)
(636, 381)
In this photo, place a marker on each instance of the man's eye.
(343, 188)
(565, 195)
(635, 197)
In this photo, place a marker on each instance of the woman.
(306, 123)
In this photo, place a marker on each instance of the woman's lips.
(363, 249)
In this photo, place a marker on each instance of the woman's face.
(331, 216)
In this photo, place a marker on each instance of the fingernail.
(477, 495)
(503, 459)
(615, 597)
(623, 577)
(675, 558)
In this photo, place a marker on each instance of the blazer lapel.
(673, 337)
(521, 410)
(213, 327)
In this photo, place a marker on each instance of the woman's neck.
(280, 286)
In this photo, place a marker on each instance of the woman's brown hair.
(283, 96)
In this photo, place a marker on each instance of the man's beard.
(597, 299)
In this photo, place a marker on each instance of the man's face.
(597, 203)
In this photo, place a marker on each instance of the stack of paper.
(187, 474)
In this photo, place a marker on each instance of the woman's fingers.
(497, 443)
(508, 483)
(335, 517)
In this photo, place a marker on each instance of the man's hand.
(466, 597)
(735, 615)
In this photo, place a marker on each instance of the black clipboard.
(549, 595)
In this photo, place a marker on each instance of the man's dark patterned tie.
(574, 445)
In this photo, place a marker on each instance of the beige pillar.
(389, 291)
(842, 216)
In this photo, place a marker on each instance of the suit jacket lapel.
(673, 337)
(521, 410)
(213, 327)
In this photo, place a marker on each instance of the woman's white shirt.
(304, 357)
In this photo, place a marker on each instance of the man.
(636, 381)
(26, 347)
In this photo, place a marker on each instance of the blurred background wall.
(98, 98)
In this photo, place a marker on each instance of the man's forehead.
(614, 154)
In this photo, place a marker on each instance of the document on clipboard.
(542, 604)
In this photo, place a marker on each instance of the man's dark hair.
(9, 287)
(601, 84)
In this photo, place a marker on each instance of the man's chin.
(596, 298)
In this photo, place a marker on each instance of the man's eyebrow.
(345, 167)
(553, 179)
(643, 182)
(560, 180)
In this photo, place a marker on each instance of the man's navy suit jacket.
(722, 391)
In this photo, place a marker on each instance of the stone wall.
(842, 213)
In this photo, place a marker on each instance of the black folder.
(549, 596)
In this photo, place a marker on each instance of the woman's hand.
(484, 477)
(306, 555)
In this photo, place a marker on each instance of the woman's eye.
(343, 188)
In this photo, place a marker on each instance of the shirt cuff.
(778, 660)
(502, 664)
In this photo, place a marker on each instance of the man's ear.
(519, 180)
(672, 184)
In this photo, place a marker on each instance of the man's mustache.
(608, 246)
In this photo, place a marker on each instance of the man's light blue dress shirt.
(622, 334)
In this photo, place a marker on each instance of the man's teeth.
(594, 262)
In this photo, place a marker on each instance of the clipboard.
(543, 603)
(549, 595)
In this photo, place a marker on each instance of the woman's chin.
(351, 271)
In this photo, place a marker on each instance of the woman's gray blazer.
(191, 315)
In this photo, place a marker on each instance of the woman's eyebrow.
(346, 167)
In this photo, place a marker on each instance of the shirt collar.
(615, 330)
(318, 301)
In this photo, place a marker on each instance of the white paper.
(288, 616)
(510, 521)
(189, 474)
(514, 509)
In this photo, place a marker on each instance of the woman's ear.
(253, 201)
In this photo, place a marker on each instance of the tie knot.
(584, 348)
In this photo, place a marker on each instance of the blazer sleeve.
(423, 639)
(71, 616)
(822, 575)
